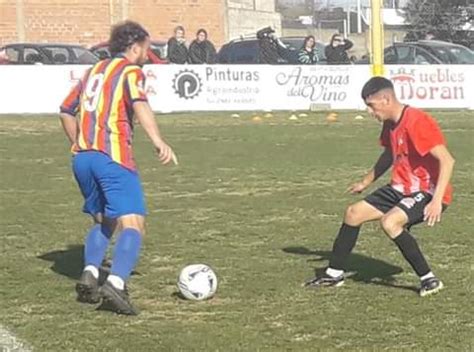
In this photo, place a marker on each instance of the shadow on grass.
(360, 268)
(70, 262)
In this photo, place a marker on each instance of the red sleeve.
(425, 134)
(384, 138)
(135, 83)
(71, 104)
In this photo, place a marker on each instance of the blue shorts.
(107, 187)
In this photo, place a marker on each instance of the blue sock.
(96, 245)
(126, 253)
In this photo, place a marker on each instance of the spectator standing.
(201, 50)
(177, 50)
(271, 50)
(308, 54)
(336, 51)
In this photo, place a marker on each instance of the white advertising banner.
(251, 87)
(434, 86)
(41, 89)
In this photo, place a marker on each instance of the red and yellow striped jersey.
(104, 101)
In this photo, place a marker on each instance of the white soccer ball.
(197, 282)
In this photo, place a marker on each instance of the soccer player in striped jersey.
(415, 149)
(97, 117)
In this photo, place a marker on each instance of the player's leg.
(371, 208)
(410, 211)
(125, 203)
(98, 237)
(127, 248)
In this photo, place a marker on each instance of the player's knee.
(352, 216)
(390, 226)
(136, 222)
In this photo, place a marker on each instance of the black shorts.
(386, 197)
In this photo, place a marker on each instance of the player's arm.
(446, 165)
(384, 162)
(145, 116)
(69, 123)
(68, 111)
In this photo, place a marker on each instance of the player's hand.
(433, 213)
(166, 154)
(357, 187)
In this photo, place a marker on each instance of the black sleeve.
(348, 44)
(194, 54)
(211, 54)
(329, 52)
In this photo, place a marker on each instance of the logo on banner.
(187, 84)
(439, 84)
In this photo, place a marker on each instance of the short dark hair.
(375, 85)
(202, 30)
(179, 28)
(124, 35)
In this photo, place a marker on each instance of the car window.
(84, 56)
(462, 55)
(59, 55)
(245, 52)
(405, 55)
(32, 56)
(443, 54)
(102, 53)
(13, 54)
(423, 58)
(454, 54)
(390, 56)
(293, 43)
(159, 50)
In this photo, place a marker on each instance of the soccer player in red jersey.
(415, 149)
(106, 101)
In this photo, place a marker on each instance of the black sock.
(343, 245)
(412, 253)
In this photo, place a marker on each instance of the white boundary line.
(9, 342)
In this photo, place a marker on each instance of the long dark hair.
(306, 40)
(124, 35)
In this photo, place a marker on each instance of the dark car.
(426, 52)
(245, 51)
(48, 54)
(156, 55)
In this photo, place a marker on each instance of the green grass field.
(259, 202)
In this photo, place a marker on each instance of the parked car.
(156, 55)
(245, 51)
(426, 52)
(48, 54)
(462, 37)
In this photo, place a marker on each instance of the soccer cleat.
(87, 288)
(324, 281)
(116, 300)
(430, 286)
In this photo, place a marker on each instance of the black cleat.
(324, 281)
(430, 286)
(87, 288)
(116, 300)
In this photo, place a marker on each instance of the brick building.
(87, 22)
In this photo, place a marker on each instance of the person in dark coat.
(201, 50)
(271, 50)
(336, 51)
(177, 50)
